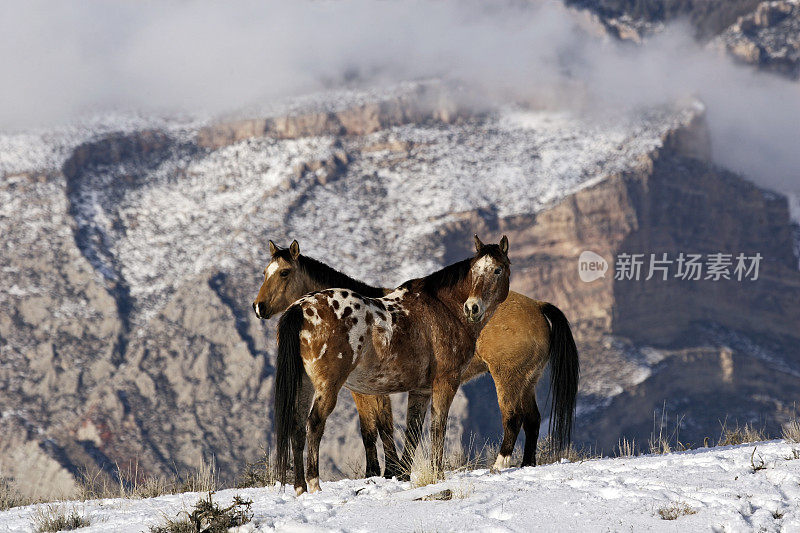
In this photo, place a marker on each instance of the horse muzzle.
(474, 310)
(261, 310)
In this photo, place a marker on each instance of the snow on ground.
(719, 485)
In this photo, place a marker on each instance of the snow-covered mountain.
(132, 249)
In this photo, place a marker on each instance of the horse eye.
(498, 271)
(285, 273)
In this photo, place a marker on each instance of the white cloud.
(60, 60)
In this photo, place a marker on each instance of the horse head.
(283, 281)
(488, 278)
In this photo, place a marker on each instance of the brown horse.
(417, 339)
(515, 346)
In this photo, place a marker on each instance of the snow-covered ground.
(718, 486)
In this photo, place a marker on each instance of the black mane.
(329, 277)
(452, 274)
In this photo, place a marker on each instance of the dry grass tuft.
(626, 448)
(663, 441)
(208, 517)
(259, 473)
(675, 510)
(202, 479)
(739, 435)
(11, 497)
(791, 431)
(547, 454)
(55, 518)
(133, 483)
(423, 472)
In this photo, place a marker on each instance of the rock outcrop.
(418, 106)
(768, 37)
(631, 18)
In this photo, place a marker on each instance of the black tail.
(289, 375)
(564, 369)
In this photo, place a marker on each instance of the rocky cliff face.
(126, 330)
(632, 18)
(61, 334)
(701, 351)
(759, 33)
(768, 37)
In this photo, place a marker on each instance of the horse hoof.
(503, 461)
(299, 490)
(313, 485)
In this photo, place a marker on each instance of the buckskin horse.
(514, 347)
(417, 339)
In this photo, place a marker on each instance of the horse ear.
(273, 248)
(504, 245)
(478, 244)
(294, 249)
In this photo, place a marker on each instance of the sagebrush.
(208, 517)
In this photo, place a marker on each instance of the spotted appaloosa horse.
(418, 338)
(515, 347)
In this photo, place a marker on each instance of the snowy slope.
(195, 210)
(623, 494)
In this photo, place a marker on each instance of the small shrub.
(791, 431)
(209, 517)
(739, 435)
(675, 510)
(54, 518)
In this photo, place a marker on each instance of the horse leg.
(512, 422)
(324, 402)
(299, 433)
(367, 407)
(443, 393)
(531, 421)
(386, 431)
(417, 407)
